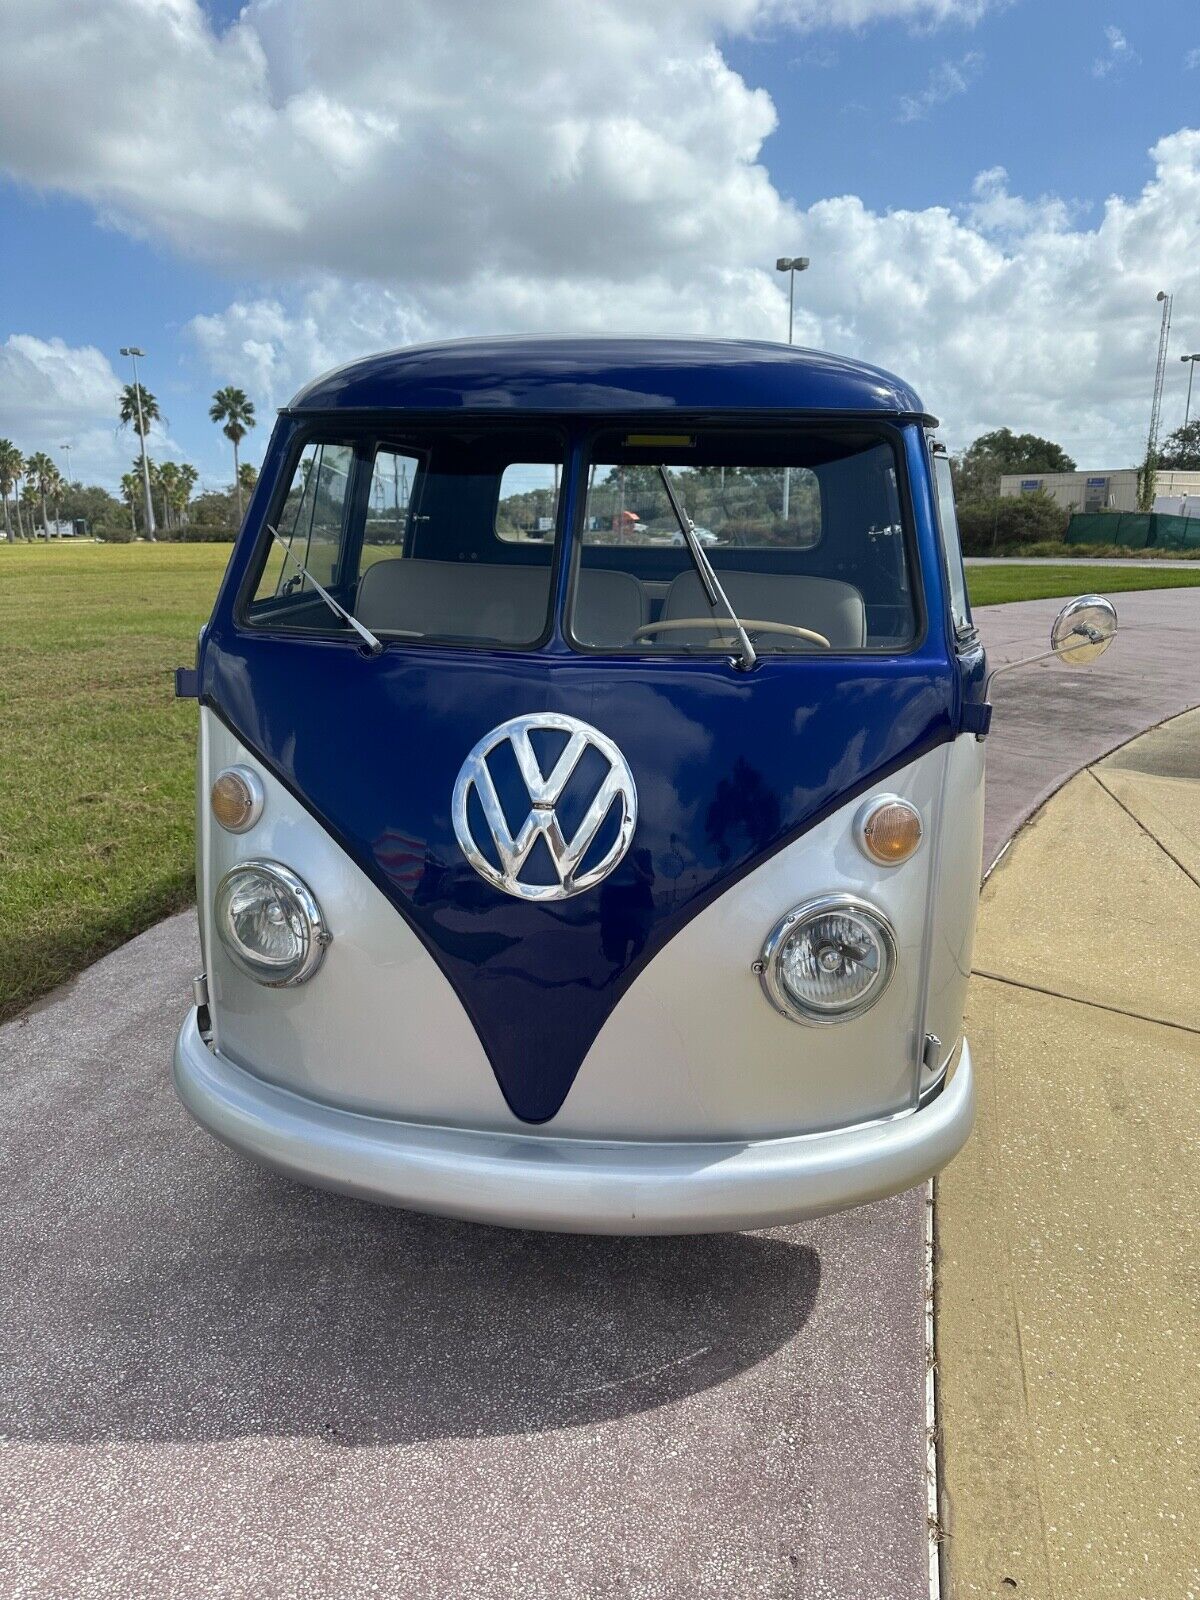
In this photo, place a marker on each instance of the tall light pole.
(1187, 410)
(133, 352)
(791, 265)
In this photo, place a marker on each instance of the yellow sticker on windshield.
(658, 441)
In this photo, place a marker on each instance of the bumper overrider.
(572, 1185)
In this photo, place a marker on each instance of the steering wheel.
(750, 624)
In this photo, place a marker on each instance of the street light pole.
(132, 351)
(1187, 410)
(791, 265)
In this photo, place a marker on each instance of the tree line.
(990, 525)
(32, 485)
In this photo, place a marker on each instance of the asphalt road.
(216, 1382)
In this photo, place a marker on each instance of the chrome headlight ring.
(882, 939)
(299, 914)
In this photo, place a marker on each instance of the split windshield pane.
(444, 535)
(803, 530)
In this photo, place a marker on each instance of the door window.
(960, 606)
(527, 508)
(310, 524)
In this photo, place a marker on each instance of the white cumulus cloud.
(53, 385)
(401, 140)
(54, 394)
(1007, 311)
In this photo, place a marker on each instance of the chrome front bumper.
(571, 1185)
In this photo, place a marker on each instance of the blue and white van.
(559, 866)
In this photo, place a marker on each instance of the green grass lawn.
(990, 585)
(96, 780)
(96, 796)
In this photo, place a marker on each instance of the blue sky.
(1033, 102)
(678, 197)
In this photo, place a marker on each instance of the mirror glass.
(1083, 629)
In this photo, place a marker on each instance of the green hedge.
(199, 534)
(1008, 524)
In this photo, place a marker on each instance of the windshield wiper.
(713, 591)
(374, 646)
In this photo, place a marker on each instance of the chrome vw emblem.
(544, 790)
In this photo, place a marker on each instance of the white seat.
(609, 608)
(494, 601)
(460, 598)
(826, 605)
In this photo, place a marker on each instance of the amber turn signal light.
(237, 799)
(889, 830)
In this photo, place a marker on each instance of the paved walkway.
(1068, 1304)
(217, 1382)
(1051, 720)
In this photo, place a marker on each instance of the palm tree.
(188, 479)
(131, 487)
(55, 490)
(40, 470)
(168, 486)
(129, 410)
(29, 499)
(232, 407)
(155, 472)
(17, 494)
(11, 464)
(140, 423)
(152, 473)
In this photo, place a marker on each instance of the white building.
(1099, 491)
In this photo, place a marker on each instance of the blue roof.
(609, 375)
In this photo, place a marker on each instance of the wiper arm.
(714, 593)
(374, 645)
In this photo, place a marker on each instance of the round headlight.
(237, 798)
(828, 960)
(270, 923)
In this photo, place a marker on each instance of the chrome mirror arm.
(1086, 635)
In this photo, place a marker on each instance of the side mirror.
(1083, 629)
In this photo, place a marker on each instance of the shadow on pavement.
(220, 1301)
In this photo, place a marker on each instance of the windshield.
(448, 534)
(803, 530)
